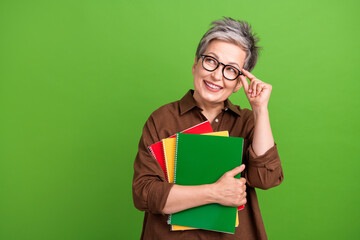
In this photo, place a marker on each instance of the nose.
(217, 73)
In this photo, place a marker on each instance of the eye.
(210, 63)
(210, 60)
(231, 70)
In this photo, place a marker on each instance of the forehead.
(226, 52)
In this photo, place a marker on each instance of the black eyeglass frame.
(218, 63)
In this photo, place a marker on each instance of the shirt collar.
(228, 105)
(188, 102)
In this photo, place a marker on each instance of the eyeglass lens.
(210, 64)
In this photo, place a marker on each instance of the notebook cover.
(156, 149)
(169, 145)
(203, 159)
(223, 133)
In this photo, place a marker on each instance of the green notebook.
(203, 159)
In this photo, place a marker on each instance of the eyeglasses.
(229, 72)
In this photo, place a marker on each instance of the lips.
(212, 87)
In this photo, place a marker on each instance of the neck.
(210, 110)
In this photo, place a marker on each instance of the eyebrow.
(232, 63)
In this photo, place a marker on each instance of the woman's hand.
(230, 191)
(258, 92)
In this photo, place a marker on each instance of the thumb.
(236, 170)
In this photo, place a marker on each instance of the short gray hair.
(234, 31)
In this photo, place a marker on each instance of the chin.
(210, 98)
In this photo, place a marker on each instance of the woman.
(224, 58)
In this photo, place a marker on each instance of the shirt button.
(216, 120)
(226, 109)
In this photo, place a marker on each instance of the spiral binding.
(175, 164)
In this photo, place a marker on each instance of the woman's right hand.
(230, 191)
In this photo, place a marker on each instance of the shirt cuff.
(158, 196)
(269, 160)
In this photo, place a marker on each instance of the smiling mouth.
(212, 86)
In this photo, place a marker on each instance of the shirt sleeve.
(150, 188)
(262, 171)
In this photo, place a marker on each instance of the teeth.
(212, 85)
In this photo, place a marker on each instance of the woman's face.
(213, 87)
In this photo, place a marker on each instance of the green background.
(78, 80)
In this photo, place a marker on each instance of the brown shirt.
(150, 188)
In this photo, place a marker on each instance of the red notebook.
(157, 150)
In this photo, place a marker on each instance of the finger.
(236, 170)
(244, 188)
(251, 87)
(244, 83)
(242, 201)
(242, 181)
(239, 198)
(248, 74)
(259, 88)
(244, 195)
(241, 188)
(254, 84)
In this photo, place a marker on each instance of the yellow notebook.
(169, 145)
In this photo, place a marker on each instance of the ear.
(194, 66)
(238, 86)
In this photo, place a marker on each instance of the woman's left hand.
(258, 92)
